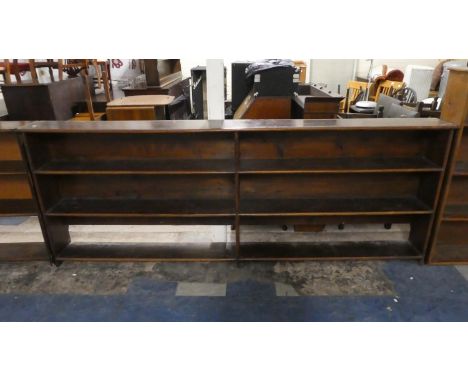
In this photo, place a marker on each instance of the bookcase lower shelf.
(23, 252)
(248, 251)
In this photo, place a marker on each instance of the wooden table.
(140, 107)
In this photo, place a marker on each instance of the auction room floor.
(266, 291)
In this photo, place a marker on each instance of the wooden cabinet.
(238, 173)
(450, 241)
(49, 101)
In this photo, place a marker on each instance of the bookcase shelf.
(333, 207)
(17, 207)
(239, 173)
(12, 167)
(150, 167)
(330, 251)
(337, 165)
(461, 168)
(456, 212)
(145, 208)
(147, 252)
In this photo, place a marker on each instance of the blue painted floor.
(420, 293)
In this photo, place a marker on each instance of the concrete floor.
(282, 291)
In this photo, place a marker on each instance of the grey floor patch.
(201, 289)
(304, 278)
(335, 278)
(284, 290)
(70, 278)
(463, 269)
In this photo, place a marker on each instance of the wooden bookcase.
(16, 198)
(450, 239)
(238, 173)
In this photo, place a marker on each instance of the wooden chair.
(74, 68)
(387, 88)
(355, 89)
(80, 67)
(16, 68)
(103, 77)
(406, 95)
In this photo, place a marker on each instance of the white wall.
(363, 64)
(332, 73)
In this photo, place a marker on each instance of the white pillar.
(215, 88)
(215, 104)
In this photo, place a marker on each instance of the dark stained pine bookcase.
(450, 239)
(238, 172)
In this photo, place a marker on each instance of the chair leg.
(60, 69)
(7, 72)
(105, 80)
(51, 69)
(97, 69)
(89, 101)
(32, 70)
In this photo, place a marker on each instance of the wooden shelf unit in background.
(16, 198)
(449, 244)
(238, 173)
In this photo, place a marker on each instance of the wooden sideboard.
(450, 238)
(16, 198)
(238, 172)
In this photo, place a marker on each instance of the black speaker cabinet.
(240, 87)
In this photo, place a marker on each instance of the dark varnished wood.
(17, 207)
(155, 166)
(48, 101)
(147, 252)
(328, 251)
(333, 207)
(23, 252)
(207, 126)
(448, 244)
(15, 192)
(16, 196)
(102, 207)
(338, 165)
(238, 172)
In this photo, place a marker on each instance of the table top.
(143, 100)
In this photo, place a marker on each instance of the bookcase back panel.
(128, 147)
(329, 186)
(14, 187)
(9, 150)
(333, 144)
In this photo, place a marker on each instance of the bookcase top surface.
(6, 126)
(175, 126)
